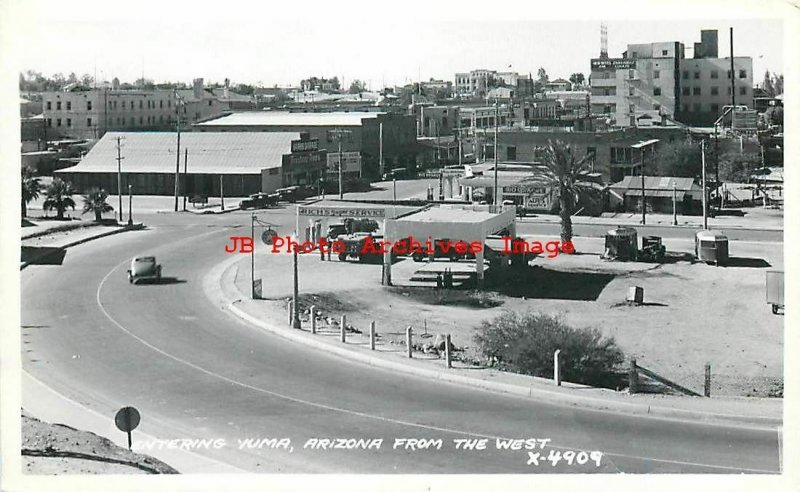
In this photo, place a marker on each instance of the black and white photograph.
(397, 246)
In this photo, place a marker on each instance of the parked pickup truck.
(144, 267)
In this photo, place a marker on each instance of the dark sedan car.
(259, 200)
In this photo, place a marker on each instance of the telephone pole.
(119, 174)
(339, 133)
(185, 176)
(178, 100)
(496, 191)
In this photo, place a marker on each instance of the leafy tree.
(774, 115)
(95, 201)
(525, 343)
(564, 171)
(542, 76)
(357, 87)
(680, 159)
(767, 84)
(59, 197)
(736, 168)
(31, 186)
(576, 79)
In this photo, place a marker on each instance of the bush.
(525, 343)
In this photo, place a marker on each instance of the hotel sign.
(341, 212)
(305, 145)
(613, 64)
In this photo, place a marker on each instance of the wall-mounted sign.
(524, 189)
(341, 212)
(310, 158)
(305, 145)
(613, 64)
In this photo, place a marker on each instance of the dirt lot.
(54, 449)
(693, 313)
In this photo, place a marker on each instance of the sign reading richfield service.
(351, 160)
(613, 64)
(341, 212)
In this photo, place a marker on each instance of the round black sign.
(127, 419)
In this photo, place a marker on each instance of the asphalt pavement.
(196, 373)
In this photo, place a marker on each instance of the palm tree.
(95, 201)
(564, 171)
(31, 186)
(59, 197)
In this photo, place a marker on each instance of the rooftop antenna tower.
(603, 40)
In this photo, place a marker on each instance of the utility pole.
(644, 202)
(496, 191)
(178, 100)
(221, 194)
(674, 204)
(185, 176)
(295, 292)
(339, 133)
(703, 161)
(119, 174)
(733, 82)
(130, 205)
(381, 170)
(252, 257)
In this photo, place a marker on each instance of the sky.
(403, 41)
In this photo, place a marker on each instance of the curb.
(530, 391)
(134, 227)
(679, 226)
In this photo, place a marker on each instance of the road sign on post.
(127, 419)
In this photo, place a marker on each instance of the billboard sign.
(351, 160)
(305, 145)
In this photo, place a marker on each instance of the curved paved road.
(195, 372)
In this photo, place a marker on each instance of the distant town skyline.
(282, 49)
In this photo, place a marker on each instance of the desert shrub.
(525, 343)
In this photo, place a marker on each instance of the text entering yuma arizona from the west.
(534, 451)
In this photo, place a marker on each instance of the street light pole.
(119, 174)
(644, 202)
(295, 293)
(252, 257)
(178, 152)
(341, 189)
(674, 204)
(496, 193)
(130, 205)
(703, 164)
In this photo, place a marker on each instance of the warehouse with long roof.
(244, 162)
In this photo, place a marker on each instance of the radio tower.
(603, 40)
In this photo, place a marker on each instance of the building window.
(50, 122)
(123, 104)
(630, 72)
(743, 91)
(89, 122)
(729, 91)
(123, 120)
(444, 121)
(729, 74)
(58, 106)
(209, 102)
(714, 90)
(656, 91)
(632, 108)
(511, 153)
(697, 74)
(656, 107)
(69, 105)
(656, 74)
(58, 122)
(49, 105)
(118, 122)
(715, 107)
(141, 105)
(161, 103)
(742, 74)
(169, 103)
(664, 52)
(696, 91)
(69, 122)
(630, 91)
(685, 91)
(685, 75)
(634, 55)
(714, 74)
(141, 120)
(161, 118)
(88, 105)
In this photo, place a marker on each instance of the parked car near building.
(259, 200)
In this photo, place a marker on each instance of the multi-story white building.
(477, 83)
(89, 113)
(654, 81)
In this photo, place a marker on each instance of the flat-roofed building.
(245, 162)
